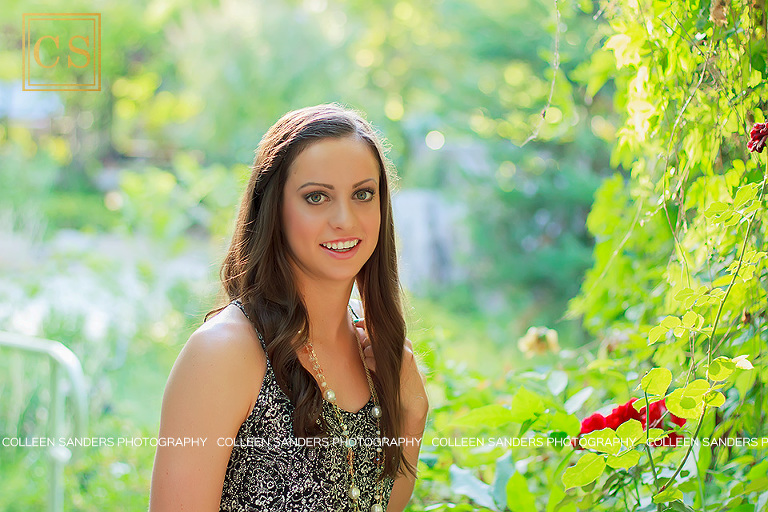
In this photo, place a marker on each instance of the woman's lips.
(342, 255)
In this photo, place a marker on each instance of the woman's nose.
(343, 216)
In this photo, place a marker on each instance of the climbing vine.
(679, 260)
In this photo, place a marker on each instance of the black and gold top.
(272, 470)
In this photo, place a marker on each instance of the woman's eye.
(314, 194)
(317, 197)
(365, 191)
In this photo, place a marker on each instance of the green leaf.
(689, 319)
(656, 381)
(716, 208)
(731, 219)
(630, 432)
(687, 402)
(683, 294)
(656, 334)
(745, 194)
(603, 440)
(720, 369)
(519, 497)
(668, 494)
(525, 405)
(758, 485)
(563, 422)
(624, 461)
(588, 469)
(586, 6)
(640, 404)
(758, 62)
(654, 434)
(671, 322)
(714, 399)
(758, 470)
(678, 506)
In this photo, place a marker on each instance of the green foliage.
(678, 237)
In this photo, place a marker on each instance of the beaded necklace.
(330, 396)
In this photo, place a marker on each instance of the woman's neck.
(326, 304)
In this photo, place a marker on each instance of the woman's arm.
(402, 489)
(207, 397)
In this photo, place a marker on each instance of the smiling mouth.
(342, 246)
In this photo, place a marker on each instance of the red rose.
(589, 424)
(592, 423)
(758, 136)
(621, 414)
(625, 412)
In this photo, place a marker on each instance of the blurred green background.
(116, 206)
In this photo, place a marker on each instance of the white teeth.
(341, 245)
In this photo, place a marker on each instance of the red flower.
(758, 136)
(625, 412)
(592, 423)
(621, 414)
(589, 424)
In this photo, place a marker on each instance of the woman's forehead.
(343, 161)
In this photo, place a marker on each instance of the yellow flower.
(538, 340)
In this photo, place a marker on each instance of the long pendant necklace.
(330, 396)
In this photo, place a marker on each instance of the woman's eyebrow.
(330, 187)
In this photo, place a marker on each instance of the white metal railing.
(66, 376)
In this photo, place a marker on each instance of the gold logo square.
(87, 31)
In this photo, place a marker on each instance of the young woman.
(302, 406)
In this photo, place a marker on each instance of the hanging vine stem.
(555, 68)
(736, 272)
(714, 327)
(647, 447)
(688, 452)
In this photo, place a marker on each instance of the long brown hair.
(257, 271)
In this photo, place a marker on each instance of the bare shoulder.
(229, 333)
(222, 364)
(210, 392)
(225, 351)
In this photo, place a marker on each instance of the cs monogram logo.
(61, 52)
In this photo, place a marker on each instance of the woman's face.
(330, 201)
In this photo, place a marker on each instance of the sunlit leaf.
(588, 469)
(630, 432)
(668, 494)
(688, 402)
(519, 497)
(624, 461)
(603, 440)
(720, 369)
(656, 381)
(714, 399)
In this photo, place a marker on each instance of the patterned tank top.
(271, 470)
